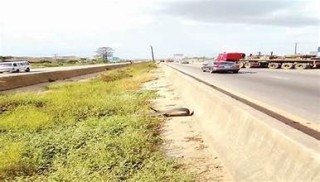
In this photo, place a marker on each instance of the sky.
(190, 27)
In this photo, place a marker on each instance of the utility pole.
(55, 57)
(295, 47)
(152, 54)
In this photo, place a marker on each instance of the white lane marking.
(280, 78)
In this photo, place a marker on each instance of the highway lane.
(293, 92)
(50, 69)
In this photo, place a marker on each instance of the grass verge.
(59, 64)
(87, 131)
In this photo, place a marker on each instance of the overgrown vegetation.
(46, 64)
(87, 131)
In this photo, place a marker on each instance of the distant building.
(199, 59)
(178, 57)
(68, 58)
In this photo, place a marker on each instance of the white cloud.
(274, 13)
(62, 22)
(47, 27)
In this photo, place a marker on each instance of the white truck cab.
(15, 66)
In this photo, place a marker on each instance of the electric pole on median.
(152, 54)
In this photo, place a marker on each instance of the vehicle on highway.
(225, 62)
(220, 66)
(297, 61)
(184, 62)
(231, 56)
(15, 67)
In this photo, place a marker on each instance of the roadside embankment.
(16, 81)
(254, 146)
(99, 130)
(183, 138)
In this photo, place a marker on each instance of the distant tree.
(4, 58)
(105, 52)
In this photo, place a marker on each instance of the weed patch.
(90, 131)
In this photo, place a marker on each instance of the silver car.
(184, 62)
(220, 66)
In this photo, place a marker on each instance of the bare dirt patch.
(183, 138)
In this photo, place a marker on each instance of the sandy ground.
(183, 138)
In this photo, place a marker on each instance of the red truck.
(225, 62)
(271, 61)
(234, 56)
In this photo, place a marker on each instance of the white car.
(15, 67)
(184, 62)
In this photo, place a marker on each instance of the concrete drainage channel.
(12, 82)
(253, 145)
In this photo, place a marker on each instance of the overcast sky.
(191, 27)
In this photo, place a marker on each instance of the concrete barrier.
(254, 146)
(16, 81)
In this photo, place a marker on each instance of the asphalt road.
(50, 69)
(292, 91)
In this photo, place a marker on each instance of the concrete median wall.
(254, 146)
(11, 82)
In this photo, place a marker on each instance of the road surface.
(292, 91)
(50, 69)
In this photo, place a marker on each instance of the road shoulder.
(183, 138)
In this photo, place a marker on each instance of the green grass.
(87, 131)
(62, 64)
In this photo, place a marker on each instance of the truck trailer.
(285, 62)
